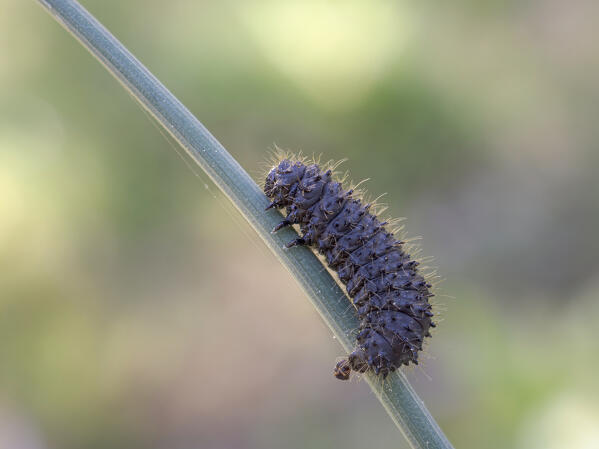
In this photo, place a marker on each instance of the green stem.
(397, 396)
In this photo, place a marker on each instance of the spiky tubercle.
(390, 294)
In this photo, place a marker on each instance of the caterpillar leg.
(281, 225)
(297, 242)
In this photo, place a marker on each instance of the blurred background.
(139, 310)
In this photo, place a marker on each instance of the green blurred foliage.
(138, 309)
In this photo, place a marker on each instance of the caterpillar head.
(281, 180)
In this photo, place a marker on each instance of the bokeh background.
(139, 310)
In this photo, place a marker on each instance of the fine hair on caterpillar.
(384, 282)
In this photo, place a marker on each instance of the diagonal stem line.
(397, 396)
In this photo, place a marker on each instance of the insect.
(390, 294)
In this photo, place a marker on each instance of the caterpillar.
(389, 293)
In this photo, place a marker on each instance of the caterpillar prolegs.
(386, 287)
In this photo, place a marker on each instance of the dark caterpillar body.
(390, 295)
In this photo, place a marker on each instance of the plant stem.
(397, 396)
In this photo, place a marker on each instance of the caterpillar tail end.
(355, 362)
(342, 370)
